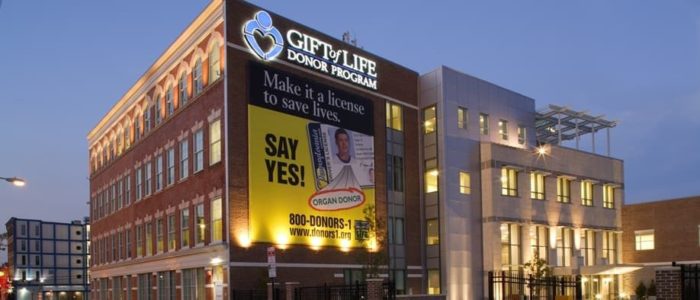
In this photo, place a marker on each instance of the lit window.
(610, 246)
(433, 282)
(197, 77)
(565, 237)
(198, 151)
(182, 89)
(462, 118)
(431, 176)
(214, 142)
(586, 193)
(539, 241)
(160, 242)
(433, 232)
(503, 129)
(510, 247)
(139, 241)
(644, 240)
(563, 189)
(127, 137)
(171, 233)
(394, 116)
(184, 159)
(200, 223)
(608, 196)
(217, 233)
(537, 186)
(169, 105)
(465, 183)
(149, 238)
(429, 120)
(484, 124)
(509, 182)
(588, 247)
(214, 63)
(522, 135)
(185, 228)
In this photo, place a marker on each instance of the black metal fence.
(509, 285)
(690, 282)
(332, 292)
(256, 294)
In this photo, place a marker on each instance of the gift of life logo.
(262, 23)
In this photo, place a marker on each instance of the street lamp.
(15, 181)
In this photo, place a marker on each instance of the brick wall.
(668, 283)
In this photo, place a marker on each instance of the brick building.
(651, 240)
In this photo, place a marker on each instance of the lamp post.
(14, 181)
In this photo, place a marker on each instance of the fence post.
(503, 284)
(553, 286)
(490, 285)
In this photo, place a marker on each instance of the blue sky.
(63, 64)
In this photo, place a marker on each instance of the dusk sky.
(63, 64)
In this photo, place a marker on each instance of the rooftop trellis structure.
(557, 124)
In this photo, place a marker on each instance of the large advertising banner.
(311, 162)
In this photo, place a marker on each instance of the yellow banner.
(309, 181)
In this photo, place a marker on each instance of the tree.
(641, 290)
(372, 256)
(538, 269)
(651, 291)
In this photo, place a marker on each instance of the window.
(160, 243)
(198, 151)
(139, 184)
(510, 247)
(537, 186)
(563, 189)
(214, 63)
(200, 223)
(608, 196)
(166, 285)
(522, 135)
(127, 190)
(644, 240)
(586, 193)
(193, 284)
(394, 116)
(127, 137)
(121, 245)
(171, 233)
(503, 129)
(185, 228)
(159, 172)
(127, 237)
(433, 232)
(398, 231)
(565, 237)
(214, 142)
(509, 182)
(217, 223)
(158, 110)
(116, 288)
(147, 120)
(144, 288)
(433, 282)
(171, 166)
(184, 159)
(610, 246)
(149, 238)
(431, 176)
(120, 194)
(588, 247)
(462, 118)
(429, 120)
(465, 183)
(139, 241)
(182, 89)
(197, 77)
(169, 105)
(539, 241)
(148, 182)
(484, 124)
(394, 173)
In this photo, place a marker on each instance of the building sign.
(308, 51)
(311, 162)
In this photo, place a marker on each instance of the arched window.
(157, 109)
(182, 89)
(197, 77)
(127, 136)
(137, 129)
(120, 144)
(169, 102)
(146, 120)
(214, 63)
